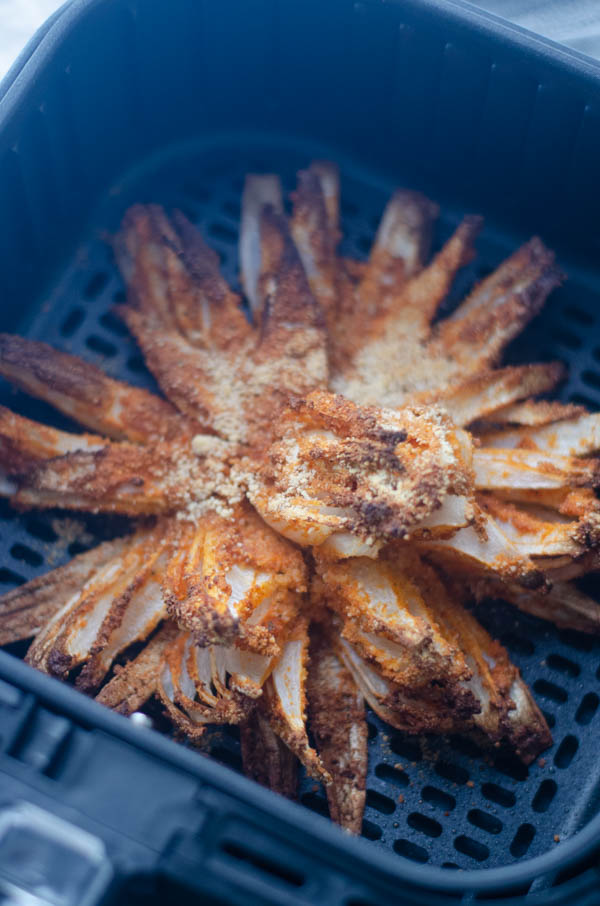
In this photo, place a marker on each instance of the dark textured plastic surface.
(452, 108)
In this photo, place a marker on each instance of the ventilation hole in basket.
(114, 324)
(444, 801)
(40, 529)
(243, 854)
(95, 286)
(226, 756)
(77, 547)
(546, 792)
(518, 644)
(550, 691)
(198, 191)
(222, 232)
(579, 315)
(577, 640)
(101, 346)
(315, 803)
(511, 767)
(563, 665)
(581, 400)
(499, 794)
(232, 208)
(8, 577)
(485, 821)
(26, 555)
(371, 730)
(566, 751)
(120, 297)
(566, 338)
(512, 896)
(465, 746)
(73, 320)
(587, 708)
(452, 772)
(522, 840)
(428, 826)
(451, 865)
(363, 244)
(136, 364)
(549, 718)
(409, 750)
(392, 775)
(410, 851)
(472, 848)
(380, 803)
(592, 378)
(348, 208)
(371, 831)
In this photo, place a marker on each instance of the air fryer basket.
(499, 152)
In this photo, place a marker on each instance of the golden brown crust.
(85, 393)
(135, 682)
(26, 609)
(484, 393)
(266, 759)
(372, 490)
(25, 443)
(313, 229)
(363, 471)
(284, 700)
(338, 723)
(235, 578)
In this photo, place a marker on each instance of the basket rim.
(27, 70)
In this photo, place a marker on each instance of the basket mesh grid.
(438, 801)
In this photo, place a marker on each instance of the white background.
(18, 21)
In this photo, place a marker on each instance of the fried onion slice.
(314, 229)
(393, 366)
(135, 682)
(482, 395)
(107, 614)
(260, 191)
(87, 394)
(284, 701)
(126, 478)
(25, 610)
(389, 622)
(564, 604)
(235, 578)
(578, 436)
(265, 758)
(540, 532)
(25, 443)
(505, 469)
(396, 706)
(194, 686)
(338, 723)
(372, 473)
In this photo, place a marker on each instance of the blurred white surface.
(573, 22)
(18, 21)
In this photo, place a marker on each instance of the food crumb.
(400, 798)
(542, 762)
(556, 838)
(470, 783)
(399, 766)
(446, 814)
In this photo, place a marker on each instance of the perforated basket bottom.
(441, 802)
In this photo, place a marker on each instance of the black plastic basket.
(118, 101)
